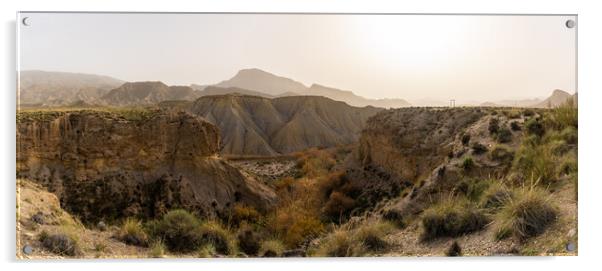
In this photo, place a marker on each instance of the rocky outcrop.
(252, 125)
(147, 93)
(107, 165)
(411, 142)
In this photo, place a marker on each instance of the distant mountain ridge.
(61, 88)
(557, 98)
(262, 81)
(274, 85)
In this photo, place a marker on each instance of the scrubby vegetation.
(322, 212)
(132, 233)
(527, 213)
(60, 243)
(452, 217)
(348, 242)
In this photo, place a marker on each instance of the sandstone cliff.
(106, 165)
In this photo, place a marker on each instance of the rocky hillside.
(147, 93)
(557, 98)
(252, 125)
(43, 88)
(105, 165)
(410, 143)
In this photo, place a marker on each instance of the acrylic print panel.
(295, 135)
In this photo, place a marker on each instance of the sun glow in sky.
(467, 58)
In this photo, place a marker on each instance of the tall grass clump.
(132, 233)
(179, 230)
(527, 214)
(451, 217)
(366, 239)
(563, 116)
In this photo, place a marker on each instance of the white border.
(590, 178)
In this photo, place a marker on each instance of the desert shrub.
(568, 164)
(338, 206)
(479, 148)
(271, 248)
(529, 213)
(212, 232)
(285, 184)
(563, 116)
(248, 241)
(394, 216)
(528, 112)
(132, 233)
(467, 164)
(559, 147)
(315, 163)
(534, 127)
(501, 154)
(156, 249)
(60, 243)
(371, 235)
(569, 134)
(338, 244)
(471, 188)
(504, 135)
(331, 182)
(454, 250)
(450, 218)
(206, 251)
(535, 163)
(465, 139)
(295, 225)
(179, 230)
(349, 242)
(240, 213)
(494, 125)
(515, 126)
(495, 196)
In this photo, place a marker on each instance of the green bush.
(494, 125)
(496, 196)
(535, 127)
(179, 230)
(563, 116)
(478, 148)
(451, 218)
(61, 243)
(366, 239)
(535, 163)
(515, 126)
(132, 233)
(467, 164)
(212, 232)
(502, 154)
(528, 214)
(569, 134)
(504, 135)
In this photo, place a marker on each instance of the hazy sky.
(406, 56)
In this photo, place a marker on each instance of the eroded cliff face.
(422, 149)
(410, 142)
(107, 165)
